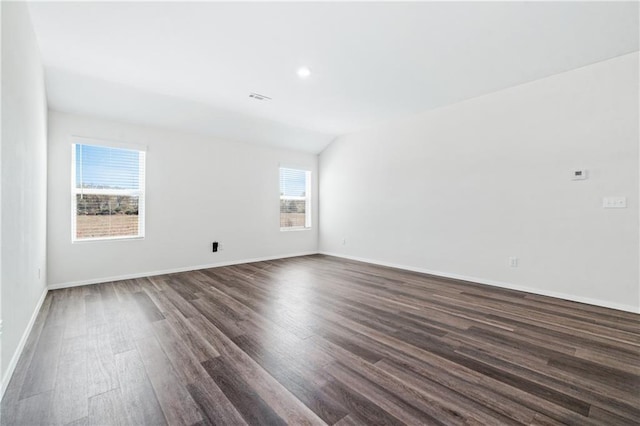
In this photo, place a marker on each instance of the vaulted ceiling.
(192, 66)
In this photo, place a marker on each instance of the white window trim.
(307, 199)
(83, 140)
(78, 140)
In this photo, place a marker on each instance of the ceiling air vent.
(259, 97)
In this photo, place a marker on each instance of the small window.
(295, 199)
(107, 192)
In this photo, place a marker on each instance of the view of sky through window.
(293, 182)
(106, 167)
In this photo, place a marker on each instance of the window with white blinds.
(107, 192)
(295, 199)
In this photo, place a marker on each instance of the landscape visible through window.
(108, 192)
(294, 199)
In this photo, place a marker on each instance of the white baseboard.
(23, 340)
(557, 295)
(174, 270)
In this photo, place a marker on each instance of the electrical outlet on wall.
(344, 241)
(513, 262)
(614, 202)
(580, 174)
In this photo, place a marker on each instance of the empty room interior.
(320, 213)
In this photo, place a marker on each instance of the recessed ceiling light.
(304, 72)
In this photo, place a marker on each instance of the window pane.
(292, 213)
(295, 210)
(106, 216)
(108, 192)
(293, 183)
(107, 168)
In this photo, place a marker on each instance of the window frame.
(140, 192)
(307, 199)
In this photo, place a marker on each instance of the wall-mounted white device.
(579, 174)
(614, 202)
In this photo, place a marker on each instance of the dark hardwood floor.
(315, 340)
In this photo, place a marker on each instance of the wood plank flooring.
(321, 340)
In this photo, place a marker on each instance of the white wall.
(458, 190)
(24, 172)
(226, 192)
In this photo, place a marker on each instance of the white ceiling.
(192, 65)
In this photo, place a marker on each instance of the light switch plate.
(614, 202)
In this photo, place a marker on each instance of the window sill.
(105, 239)
(294, 229)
